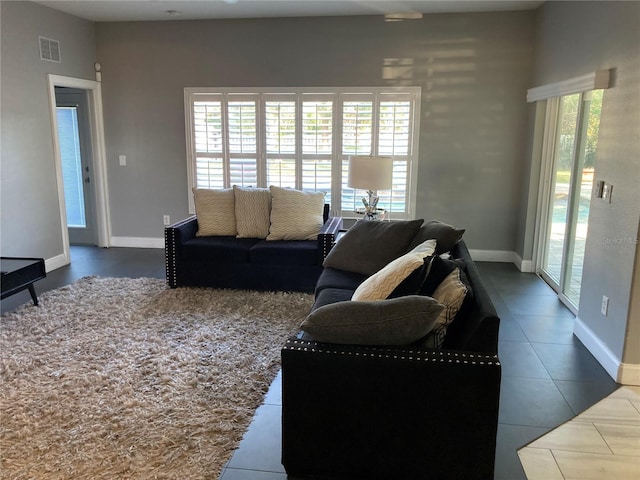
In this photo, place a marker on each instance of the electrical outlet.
(604, 309)
(166, 219)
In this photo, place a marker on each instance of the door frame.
(96, 125)
(547, 100)
(75, 98)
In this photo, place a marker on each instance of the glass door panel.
(592, 106)
(559, 204)
(71, 166)
(570, 193)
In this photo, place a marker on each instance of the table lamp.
(370, 173)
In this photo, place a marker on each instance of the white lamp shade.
(370, 173)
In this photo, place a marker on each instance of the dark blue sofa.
(402, 413)
(245, 263)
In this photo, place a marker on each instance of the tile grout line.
(603, 438)
(557, 464)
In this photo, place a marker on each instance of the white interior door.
(77, 164)
(99, 178)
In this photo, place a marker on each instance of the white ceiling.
(146, 10)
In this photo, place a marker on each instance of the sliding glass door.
(574, 130)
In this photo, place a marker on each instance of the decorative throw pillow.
(253, 208)
(382, 283)
(440, 269)
(451, 294)
(426, 248)
(379, 285)
(413, 283)
(398, 321)
(215, 211)
(446, 235)
(295, 215)
(368, 246)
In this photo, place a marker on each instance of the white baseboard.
(609, 361)
(525, 266)
(503, 256)
(137, 242)
(629, 374)
(56, 262)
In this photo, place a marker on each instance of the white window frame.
(335, 94)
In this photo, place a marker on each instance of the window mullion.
(261, 144)
(191, 142)
(336, 164)
(375, 124)
(226, 160)
(299, 134)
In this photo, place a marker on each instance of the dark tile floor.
(548, 375)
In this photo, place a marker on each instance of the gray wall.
(575, 39)
(476, 133)
(474, 70)
(30, 217)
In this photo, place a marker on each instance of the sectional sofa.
(357, 407)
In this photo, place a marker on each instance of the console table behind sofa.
(245, 263)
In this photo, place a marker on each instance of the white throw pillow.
(426, 248)
(253, 207)
(215, 210)
(295, 215)
(380, 285)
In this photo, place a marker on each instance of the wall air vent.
(49, 49)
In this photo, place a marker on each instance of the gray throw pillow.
(446, 235)
(368, 246)
(397, 321)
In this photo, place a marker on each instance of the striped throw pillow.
(215, 210)
(253, 206)
(295, 215)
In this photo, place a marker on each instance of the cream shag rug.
(125, 378)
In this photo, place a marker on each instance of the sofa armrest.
(377, 412)
(174, 236)
(327, 237)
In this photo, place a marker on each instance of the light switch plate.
(606, 192)
(599, 188)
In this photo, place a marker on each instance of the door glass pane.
(584, 185)
(69, 139)
(563, 163)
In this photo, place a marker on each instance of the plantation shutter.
(303, 138)
(280, 133)
(357, 139)
(317, 146)
(243, 143)
(394, 141)
(208, 132)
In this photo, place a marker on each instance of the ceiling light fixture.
(173, 13)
